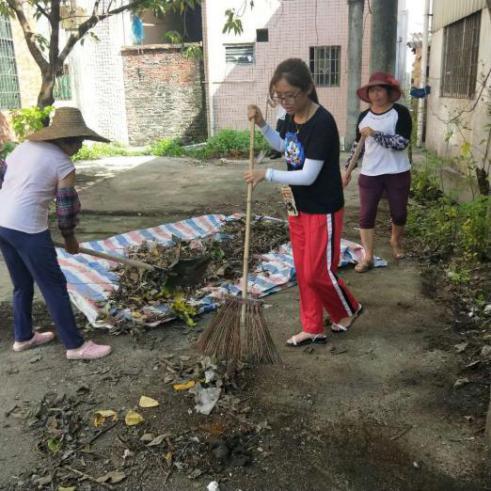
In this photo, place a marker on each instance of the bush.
(226, 143)
(29, 119)
(424, 186)
(167, 147)
(230, 143)
(102, 150)
(447, 229)
(8, 147)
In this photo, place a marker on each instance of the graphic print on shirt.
(294, 151)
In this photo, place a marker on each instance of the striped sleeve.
(400, 140)
(67, 210)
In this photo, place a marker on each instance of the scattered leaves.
(184, 386)
(102, 415)
(147, 402)
(133, 418)
(113, 477)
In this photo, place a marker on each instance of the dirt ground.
(375, 409)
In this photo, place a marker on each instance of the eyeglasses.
(286, 99)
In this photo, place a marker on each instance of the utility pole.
(422, 84)
(384, 36)
(355, 53)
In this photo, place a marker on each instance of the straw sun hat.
(68, 122)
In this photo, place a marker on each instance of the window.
(325, 65)
(240, 54)
(9, 80)
(262, 35)
(460, 52)
(63, 88)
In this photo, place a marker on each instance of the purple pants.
(396, 187)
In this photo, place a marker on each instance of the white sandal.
(337, 328)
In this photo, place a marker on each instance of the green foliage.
(232, 23)
(163, 7)
(184, 310)
(167, 147)
(30, 119)
(226, 143)
(173, 37)
(193, 52)
(230, 143)
(102, 150)
(459, 275)
(424, 186)
(7, 148)
(446, 229)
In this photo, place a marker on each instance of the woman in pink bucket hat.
(386, 130)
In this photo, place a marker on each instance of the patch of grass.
(102, 150)
(167, 147)
(226, 143)
(445, 228)
(231, 143)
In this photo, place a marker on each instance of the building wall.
(294, 27)
(447, 11)
(27, 70)
(441, 109)
(164, 95)
(97, 71)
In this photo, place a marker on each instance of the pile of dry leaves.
(185, 268)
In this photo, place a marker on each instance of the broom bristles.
(224, 338)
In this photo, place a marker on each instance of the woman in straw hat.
(386, 127)
(37, 171)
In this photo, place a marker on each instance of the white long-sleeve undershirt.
(273, 138)
(303, 177)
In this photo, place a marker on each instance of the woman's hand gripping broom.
(239, 330)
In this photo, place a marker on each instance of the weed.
(226, 143)
(102, 150)
(230, 143)
(167, 147)
(445, 228)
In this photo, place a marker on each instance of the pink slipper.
(88, 351)
(38, 339)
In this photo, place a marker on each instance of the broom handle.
(356, 155)
(245, 270)
(110, 257)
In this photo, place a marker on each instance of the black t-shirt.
(317, 139)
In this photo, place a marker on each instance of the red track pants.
(316, 243)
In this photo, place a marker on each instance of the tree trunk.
(384, 36)
(45, 97)
(355, 54)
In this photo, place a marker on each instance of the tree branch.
(29, 35)
(90, 23)
(54, 20)
(43, 11)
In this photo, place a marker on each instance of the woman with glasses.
(310, 142)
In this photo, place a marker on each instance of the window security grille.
(325, 65)
(9, 80)
(460, 57)
(239, 54)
